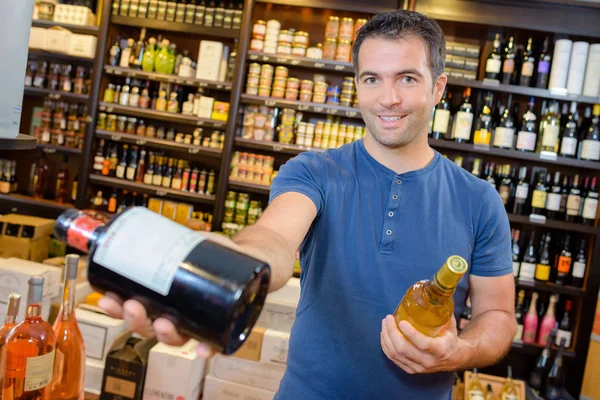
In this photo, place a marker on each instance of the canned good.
(254, 68)
(346, 31)
(252, 79)
(265, 82)
(278, 92)
(266, 70)
(131, 122)
(357, 25)
(280, 82)
(315, 53)
(293, 83)
(264, 91)
(348, 85)
(299, 51)
(332, 28)
(121, 123)
(301, 39)
(259, 29)
(273, 23)
(320, 87)
(252, 89)
(284, 49)
(101, 124)
(318, 97)
(333, 90)
(307, 85)
(333, 100)
(346, 99)
(285, 37)
(257, 45)
(305, 95)
(343, 51)
(320, 78)
(281, 72)
(329, 49)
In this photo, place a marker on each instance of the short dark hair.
(399, 24)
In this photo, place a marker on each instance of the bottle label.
(148, 178)
(527, 69)
(504, 192)
(509, 397)
(130, 174)
(522, 191)
(568, 146)
(120, 387)
(590, 150)
(146, 248)
(493, 65)
(504, 137)
(464, 122)
(527, 270)
(578, 269)
(538, 200)
(441, 121)
(543, 67)
(157, 180)
(573, 204)
(563, 334)
(564, 264)
(79, 233)
(526, 140)
(542, 272)
(518, 334)
(550, 137)
(476, 395)
(516, 268)
(553, 201)
(509, 66)
(38, 372)
(120, 172)
(590, 207)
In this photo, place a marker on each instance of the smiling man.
(370, 219)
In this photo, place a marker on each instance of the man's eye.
(408, 79)
(370, 80)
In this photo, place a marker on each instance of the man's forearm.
(486, 339)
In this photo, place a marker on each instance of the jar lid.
(334, 18)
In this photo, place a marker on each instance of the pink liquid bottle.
(531, 321)
(548, 322)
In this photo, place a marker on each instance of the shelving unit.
(57, 94)
(17, 203)
(316, 108)
(274, 147)
(249, 187)
(41, 54)
(81, 29)
(51, 148)
(326, 65)
(550, 288)
(174, 27)
(155, 76)
(161, 116)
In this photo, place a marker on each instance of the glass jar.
(301, 39)
(315, 53)
(346, 29)
(281, 72)
(254, 68)
(332, 28)
(131, 122)
(259, 29)
(329, 49)
(121, 124)
(343, 51)
(278, 92)
(111, 123)
(101, 123)
(140, 129)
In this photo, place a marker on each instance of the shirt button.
(388, 232)
(398, 181)
(391, 213)
(395, 196)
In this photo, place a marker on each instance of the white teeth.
(391, 118)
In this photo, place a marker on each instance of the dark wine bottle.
(564, 328)
(540, 194)
(579, 265)
(538, 375)
(556, 381)
(553, 199)
(210, 292)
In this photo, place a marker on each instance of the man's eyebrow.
(410, 71)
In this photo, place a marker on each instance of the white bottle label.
(124, 62)
(522, 191)
(120, 171)
(527, 271)
(146, 248)
(590, 207)
(590, 150)
(476, 395)
(563, 334)
(509, 397)
(527, 69)
(463, 123)
(503, 137)
(553, 201)
(131, 173)
(441, 121)
(573, 204)
(568, 146)
(38, 371)
(550, 137)
(516, 268)
(578, 269)
(493, 65)
(526, 140)
(518, 334)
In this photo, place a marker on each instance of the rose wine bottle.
(531, 321)
(12, 309)
(210, 292)
(548, 322)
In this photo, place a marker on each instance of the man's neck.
(414, 156)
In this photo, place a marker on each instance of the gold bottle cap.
(450, 273)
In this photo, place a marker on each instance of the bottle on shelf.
(223, 315)
(493, 63)
(98, 201)
(490, 395)
(516, 251)
(543, 66)
(69, 363)
(527, 136)
(574, 201)
(528, 265)
(520, 317)
(115, 53)
(441, 117)
(509, 389)
(590, 145)
(40, 178)
(483, 125)
(579, 265)
(531, 321)
(439, 290)
(554, 198)
(149, 56)
(521, 193)
(549, 132)
(568, 142)
(548, 322)
(126, 54)
(537, 379)
(475, 389)
(540, 195)
(10, 319)
(463, 120)
(565, 330)
(590, 204)
(542, 269)
(28, 373)
(508, 65)
(62, 178)
(564, 262)
(528, 66)
(504, 134)
(555, 381)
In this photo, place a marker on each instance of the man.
(370, 219)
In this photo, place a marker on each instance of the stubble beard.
(398, 139)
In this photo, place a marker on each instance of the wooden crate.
(496, 381)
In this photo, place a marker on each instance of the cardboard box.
(210, 55)
(183, 213)
(82, 266)
(218, 389)
(14, 274)
(155, 205)
(277, 315)
(76, 15)
(251, 348)
(25, 249)
(83, 45)
(168, 209)
(275, 347)
(94, 370)
(290, 293)
(206, 107)
(57, 40)
(220, 111)
(25, 226)
(125, 369)
(37, 38)
(244, 372)
(174, 372)
(99, 332)
(497, 383)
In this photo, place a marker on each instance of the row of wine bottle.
(535, 326)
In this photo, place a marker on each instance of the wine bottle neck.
(68, 304)
(33, 310)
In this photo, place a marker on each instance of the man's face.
(396, 92)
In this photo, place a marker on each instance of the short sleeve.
(492, 255)
(302, 174)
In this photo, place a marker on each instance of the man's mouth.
(390, 118)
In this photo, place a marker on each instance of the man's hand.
(417, 353)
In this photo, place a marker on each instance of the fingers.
(421, 341)
(136, 318)
(391, 353)
(112, 305)
(167, 333)
(204, 350)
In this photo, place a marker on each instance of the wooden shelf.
(51, 148)
(302, 106)
(159, 25)
(522, 90)
(332, 5)
(513, 154)
(16, 200)
(151, 189)
(274, 147)
(249, 187)
(198, 151)
(327, 65)
(21, 142)
(155, 76)
(552, 224)
(536, 349)
(161, 115)
(35, 53)
(550, 287)
(56, 94)
(81, 29)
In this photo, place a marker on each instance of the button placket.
(388, 222)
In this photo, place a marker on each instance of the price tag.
(340, 67)
(265, 58)
(161, 193)
(331, 111)
(219, 86)
(218, 125)
(303, 107)
(200, 123)
(318, 109)
(277, 147)
(117, 72)
(270, 103)
(116, 138)
(189, 82)
(281, 60)
(253, 57)
(179, 81)
(54, 96)
(102, 108)
(319, 65)
(202, 84)
(193, 150)
(49, 150)
(351, 114)
(295, 62)
(109, 109)
(140, 142)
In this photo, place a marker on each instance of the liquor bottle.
(4, 177)
(112, 202)
(98, 201)
(167, 173)
(527, 136)
(548, 322)
(516, 252)
(124, 202)
(538, 375)
(542, 269)
(195, 273)
(149, 174)
(509, 390)
(508, 65)
(528, 64)
(489, 174)
(149, 55)
(157, 178)
(565, 260)
(13, 177)
(475, 389)
(579, 264)
(441, 117)
(40, 179)
(122, 166)
(113, 161)
(521, 193)
(483, 125)
(549, 131)
(574, 201)
(528, 265)
(463, 120)
(553, 199)
(161, 63)
(138, 56)
(539, 197)
(62, 177)
(69, 361)
(590, 145)
(428, 304)
(140, 171)
(74, 187)
(568, 143)
(29, 351)
(177, 175)
(543, 66)
(504, 134)
(531, 321)
(493, 63)
(520, 317)
(190, 11)
(564, 328)
(465, 316)
(590, 205)
(505, 187)
(115, 53)
(132, 165)
(564, 114)
(555, 380)
(490, 395)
